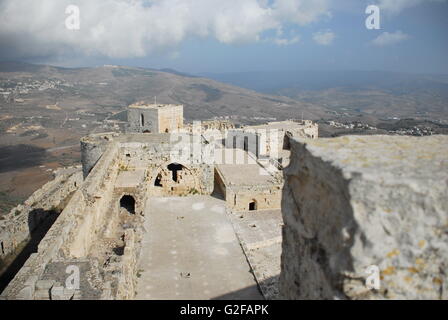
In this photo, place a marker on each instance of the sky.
(218, 36)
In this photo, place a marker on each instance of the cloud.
(396, 6)
(324, 38)
(137, 28)
(286, 41)
(387, 38)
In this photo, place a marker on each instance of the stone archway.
(128, 203)
(174, 178)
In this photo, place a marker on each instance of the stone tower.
(155, 118)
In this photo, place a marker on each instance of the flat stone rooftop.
(153, 106)
(245, 174)
(129, 179)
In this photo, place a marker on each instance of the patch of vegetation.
(5, 124)
(123, 167)
(193, 191)
(129, 73)
(212, 94)
(29, 133)
(273, 100)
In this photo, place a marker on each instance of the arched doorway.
(253, 205)
(127, 202)
(174, 179)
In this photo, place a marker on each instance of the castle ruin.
(173, 211)
(101, 227)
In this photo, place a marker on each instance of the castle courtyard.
(190, 251)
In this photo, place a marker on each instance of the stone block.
(359, 201)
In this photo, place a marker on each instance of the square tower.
(155, 118)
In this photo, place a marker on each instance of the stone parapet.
(354, 202)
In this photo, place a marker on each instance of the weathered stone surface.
(155, 118)
(24, 222)
(352, 202)
(97, 215)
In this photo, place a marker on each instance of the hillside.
(372, 94)
(109, 89)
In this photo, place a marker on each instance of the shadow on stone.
(248, 293)
(39, 222)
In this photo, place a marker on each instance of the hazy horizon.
(199, 74)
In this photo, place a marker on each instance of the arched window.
(158, 182)
(142, 120)
(175, 167)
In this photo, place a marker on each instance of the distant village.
(414, 131)
(11, 90)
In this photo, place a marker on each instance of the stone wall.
(248, 140)
(93, 232)
(265, 197)
(268, 140)
(156, 161)
(78, 237)
(352, 202)
(92, 148)
(23, 286)
(18, 226)
(308, 129)
(150, 120)
(128, 281)
(171, 118)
